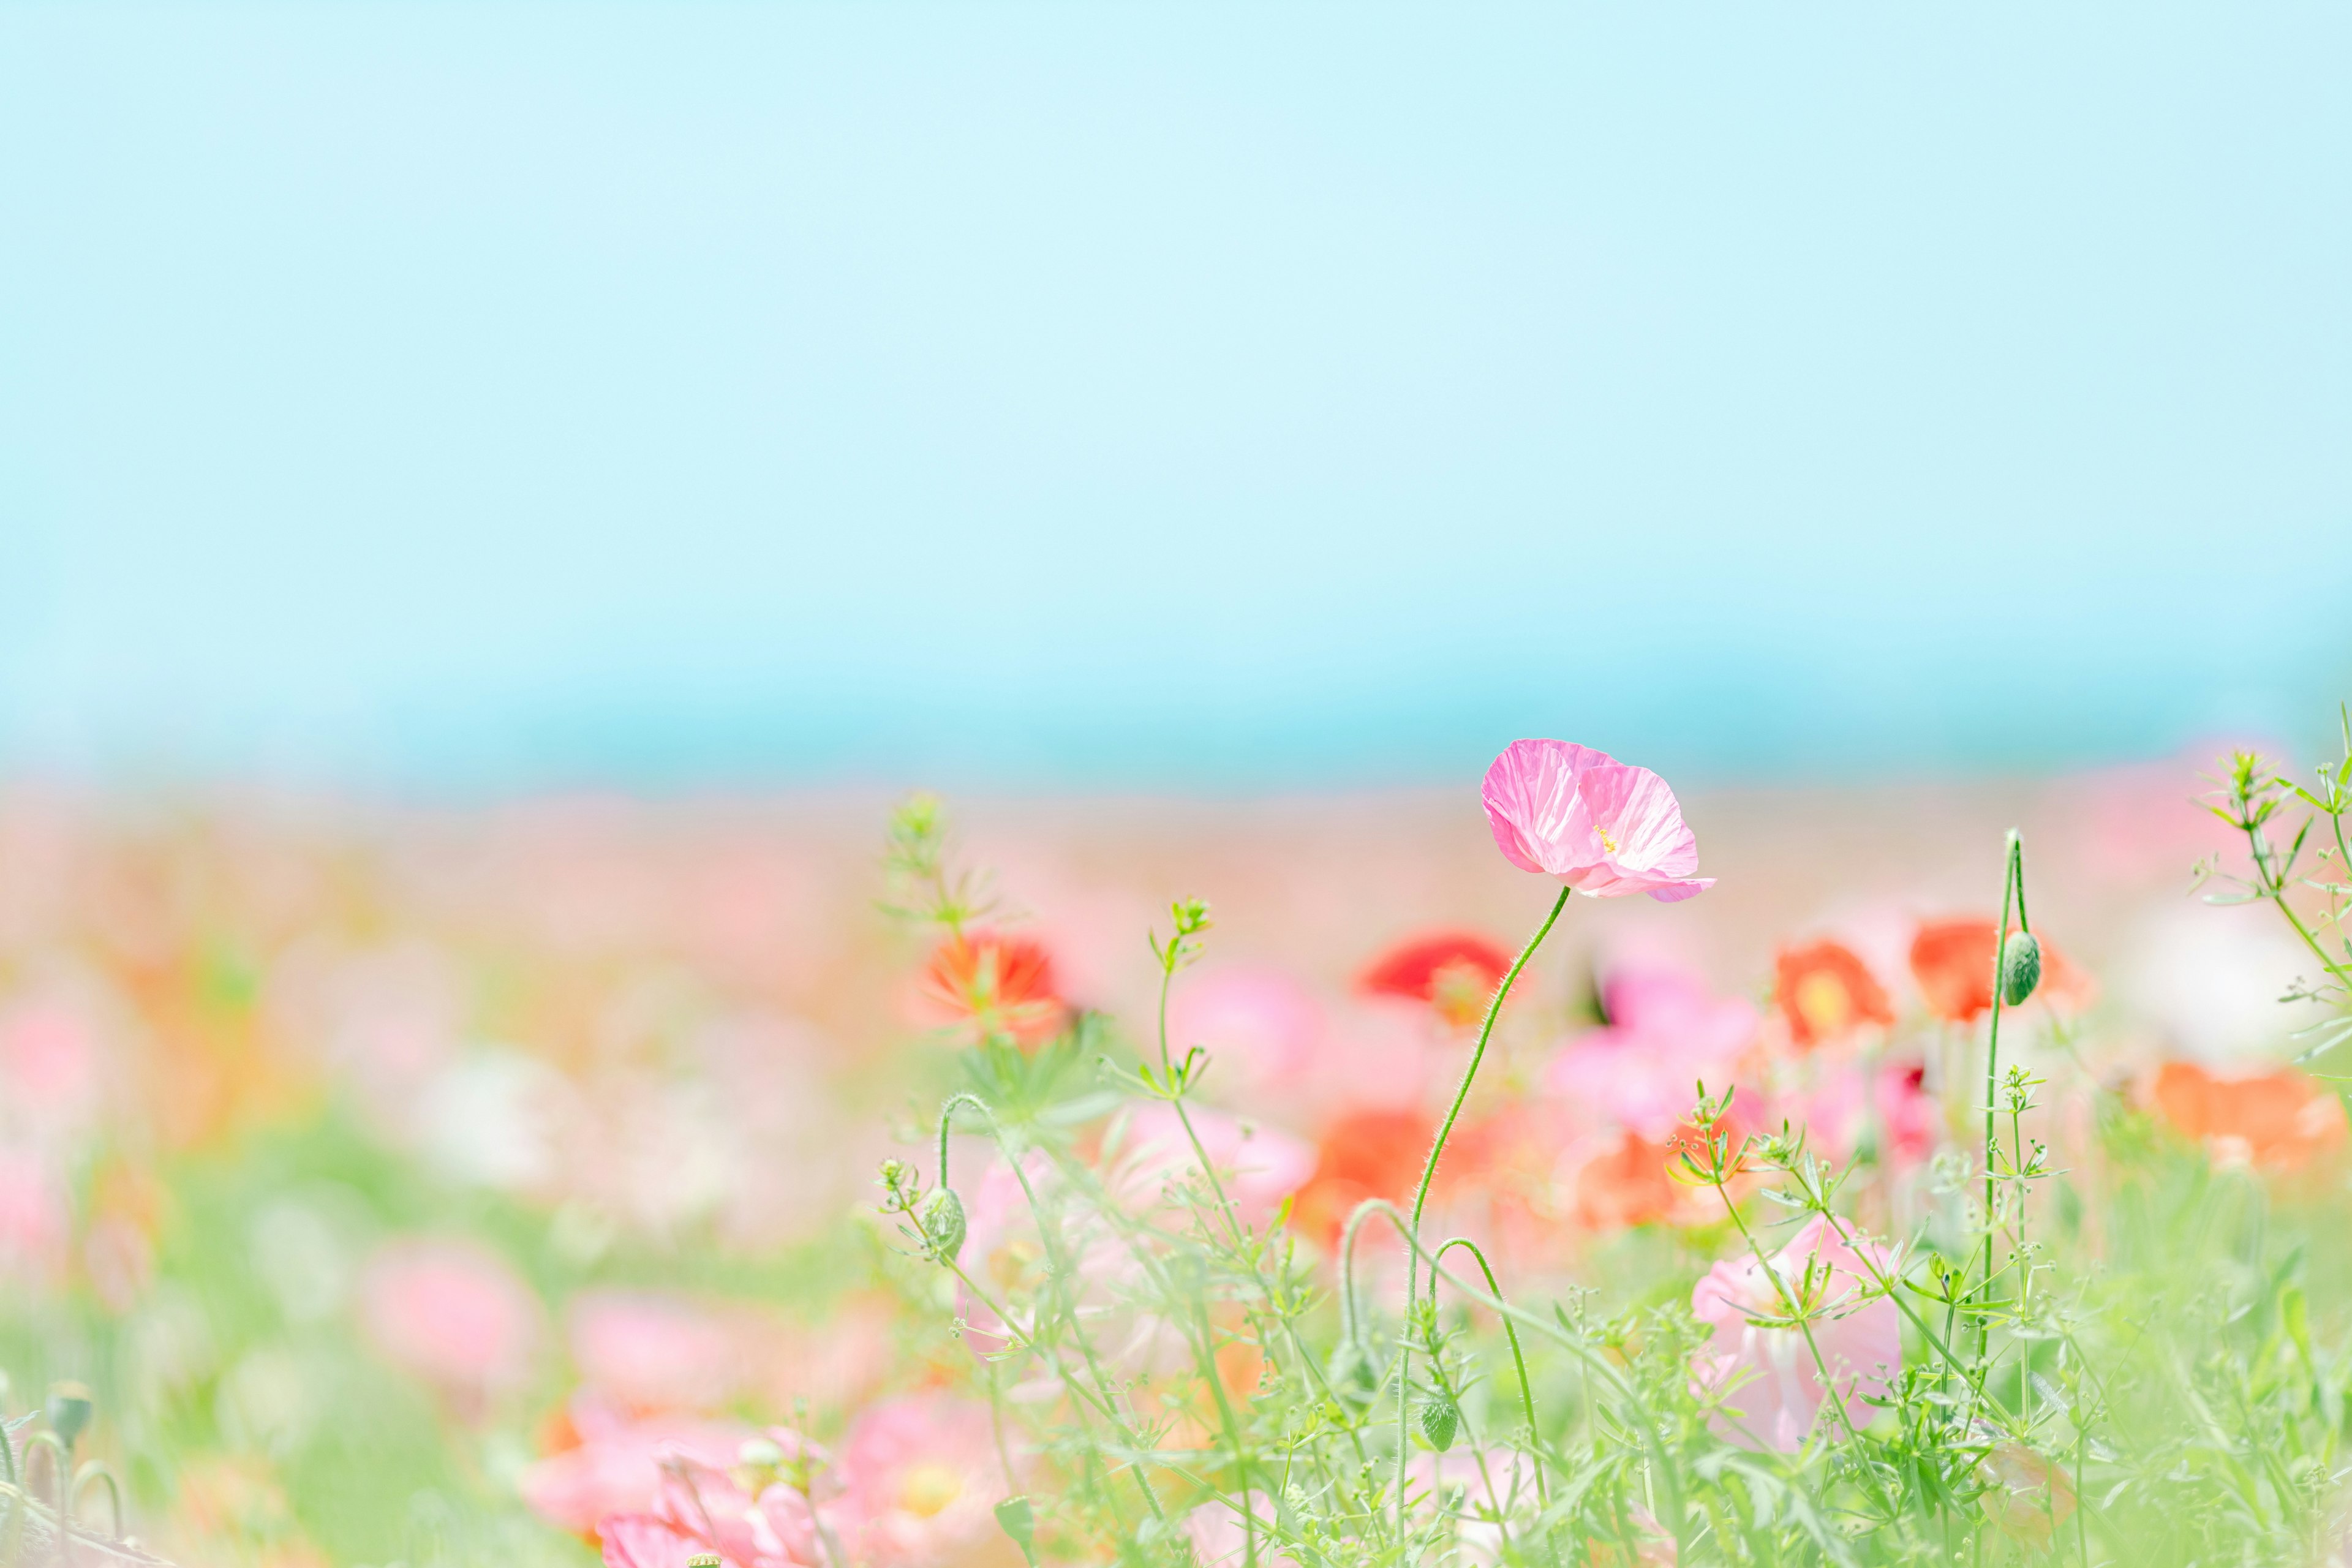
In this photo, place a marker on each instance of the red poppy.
(1363, 1155)
(1453, 971)
(1000, 986)
(1826, 991)
(2279, 1120)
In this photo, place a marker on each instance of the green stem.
(2013, 893)
(1429, 1174)
(1527, 1391)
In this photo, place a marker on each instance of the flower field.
(1550, 1171)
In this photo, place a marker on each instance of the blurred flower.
(1453, 971)
(1258, 1023)
(614, 1465)
(646, 1352)
(920, 1482)
(1666, 1032)
(2280, 1120)
(2027, 1496)
(452, 1312)
(1217, 1533)
(1603, 827)
(1258, 1166)
(34, 1219)
(994, 984)
(1770, 1388)
(700, 1507)
(1825, 992)
(1953, 962)
(1896, 1120)
(1625, 1183)
(1363, 1155)
(1491, 1488)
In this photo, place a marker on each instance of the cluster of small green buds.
(2021, 967)
(1192, 918)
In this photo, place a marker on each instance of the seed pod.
(69, 1408)
(1439, 1421)
(2021, 967)
(944, 1223)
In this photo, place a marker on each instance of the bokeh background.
(496, 500)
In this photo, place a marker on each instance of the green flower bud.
(70, 1405)
(1439, 1422)
(2021, 967)
(944, 1223)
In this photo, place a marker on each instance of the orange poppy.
(1826, 991)
(2279, 1120)
(998, 986)
(1363, 1155)
(1953, 962)
(1453, 971)
(1627, 1185)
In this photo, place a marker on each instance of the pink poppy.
(645, 1351)
(1899, 1118)
(1603, 827)
(452, 1312)
(1770, 1387)
(1257, 1165)
(617, 1466)
(700, 1509)
(921, 1479)
(1666, 1032)
(1218, 1536)
(1260, 1025)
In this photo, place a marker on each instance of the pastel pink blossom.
(646, 1351)
(1603, 827)
(1259, 1024)
(1258, 1166)
(34, 1218)
(1899, 1118)
(617, 1467)
(1771, 1390)
(703, 1509)
(1666, 1032)
(1219, 1537)
(920, 1482)
(452, 1312)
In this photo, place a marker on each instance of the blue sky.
(462, 395)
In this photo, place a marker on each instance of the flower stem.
(1429, 1174)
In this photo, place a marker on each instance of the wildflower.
(452, 1312)
(2277, 1121)
(1668, 1031)
(1770, 1387)
(1453, 971)
(2026, 1496)
(646, 1352)
(1258, 1166)
(746, 1516)
(1363, 1155)
(1603, 827)
(997, 986)
(1826, 992)
(1953, 962)
(610, 1465)
(921, 1479)
(1217, 1533)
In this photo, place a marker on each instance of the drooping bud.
(2021, 967)
(944, 1223)
(69, 1408)
(1018, 1520)
(1439, 1422)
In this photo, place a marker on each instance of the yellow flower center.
(1822, 1000)
(925, 1490)
(1607, 842)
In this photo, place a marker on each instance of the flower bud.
(1439, 1421)
(69, 1408)
(2021, 967)
(944, 1223)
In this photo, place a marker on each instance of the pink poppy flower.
(1257, 1165)
(1770, 1388)
(1603, 827)
(1899, 1118)
(1666, 1032)
(650, 1351)
(921, 1479)
(701, 1509)
(617, 1467)
(1260, 1025)
(452, 1312)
